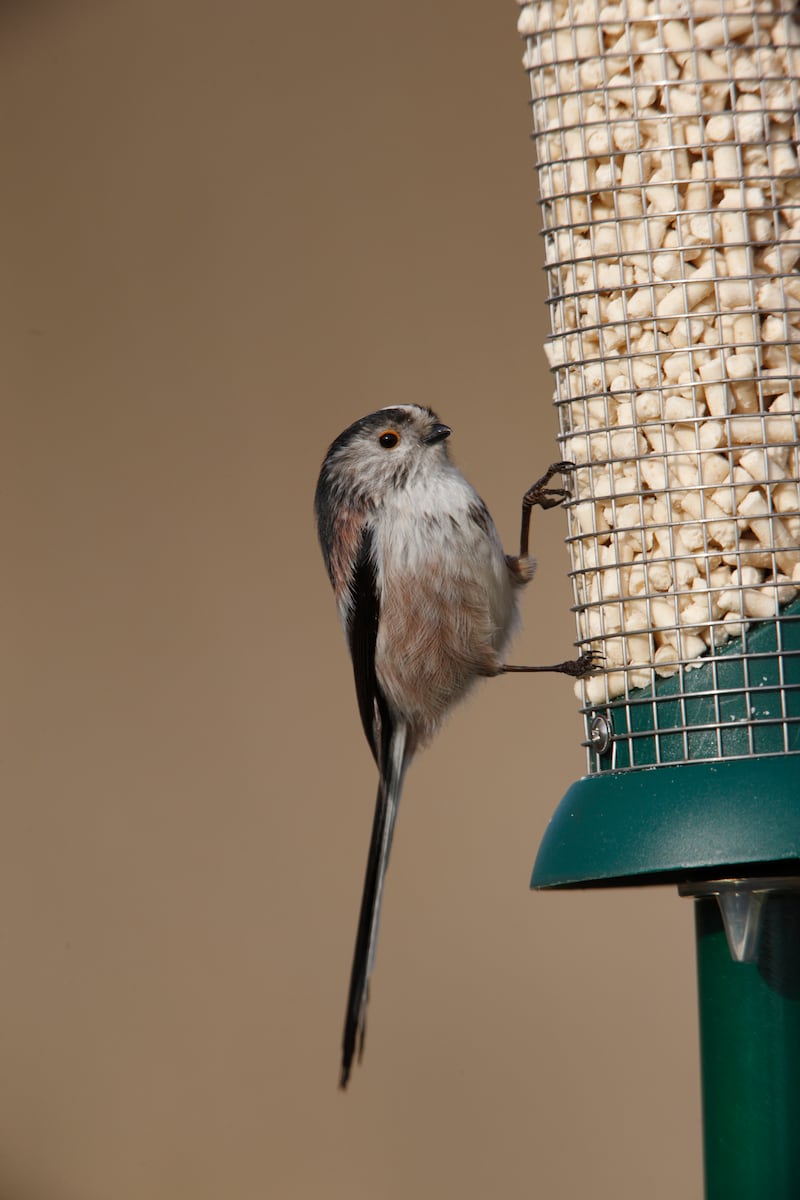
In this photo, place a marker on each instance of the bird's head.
(383, 452)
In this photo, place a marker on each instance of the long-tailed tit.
(428, 601)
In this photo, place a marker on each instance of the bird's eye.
(389, 439)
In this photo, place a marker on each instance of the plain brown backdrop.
(229, 229)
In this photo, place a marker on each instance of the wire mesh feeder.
(670, 191)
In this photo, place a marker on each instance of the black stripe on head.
(374, 423)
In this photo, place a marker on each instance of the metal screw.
(601, 733)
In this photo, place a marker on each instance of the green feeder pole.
(748, 967)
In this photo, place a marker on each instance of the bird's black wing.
(362, 632)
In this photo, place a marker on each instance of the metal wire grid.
(740, 704)
(670, 193)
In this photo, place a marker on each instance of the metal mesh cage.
(670, 192)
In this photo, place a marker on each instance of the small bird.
(428, 601)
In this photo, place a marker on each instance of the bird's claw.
(539, 495)
(588, 662)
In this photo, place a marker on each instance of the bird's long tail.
(391, 783)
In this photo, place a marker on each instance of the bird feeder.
(666, 144)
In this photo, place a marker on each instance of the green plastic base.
(671, 824)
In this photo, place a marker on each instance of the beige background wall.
(227, 231)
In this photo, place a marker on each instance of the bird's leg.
(539, 495)
(588, 662)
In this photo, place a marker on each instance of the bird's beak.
(437, 434)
